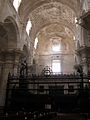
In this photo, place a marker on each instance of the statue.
(79, 70)
(23, 69)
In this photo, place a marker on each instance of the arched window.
(16, 4)
(35, 43)
(28, 27)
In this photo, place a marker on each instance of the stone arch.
(12, 32)
(3, 37)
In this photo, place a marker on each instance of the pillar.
(10, 61)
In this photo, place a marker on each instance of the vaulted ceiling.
(27, 6)
(51, 14)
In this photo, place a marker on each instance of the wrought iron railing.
(49, 89)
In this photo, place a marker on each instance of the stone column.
(10, 59)
(30, 58)
(78, 36)
(85, 62)
(84, 37)
(85, 67)
(81, 31)
(80, 40)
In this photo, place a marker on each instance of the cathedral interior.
(49, 82)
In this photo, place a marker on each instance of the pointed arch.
(12, 32)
